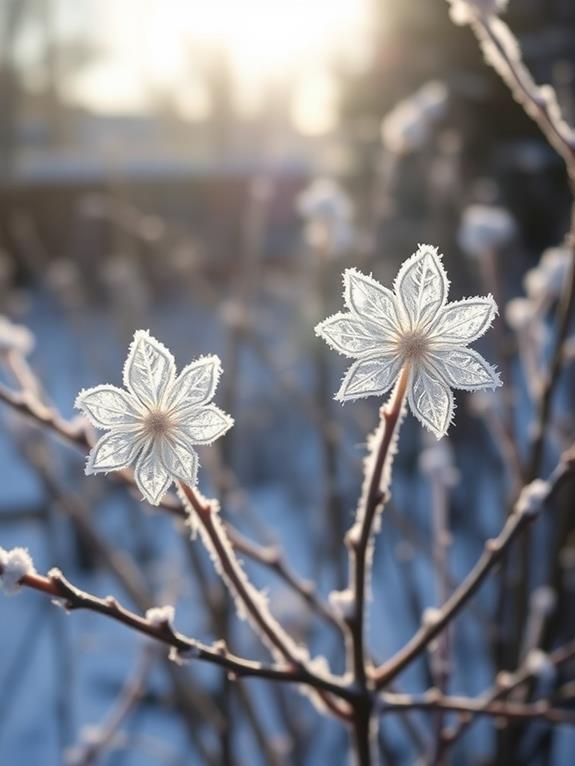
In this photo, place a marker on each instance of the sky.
(159, 45)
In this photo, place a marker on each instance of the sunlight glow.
(155, 45)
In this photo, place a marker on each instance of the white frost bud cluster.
(519, 313)
(466, 11)
(328, 211)
(14, 564)
(485, 228)
(161, 615)
(15, 337)
(547, 278)
(540, 665)
(532, 497)
(409, 125)
(543, 600)
(437, 462)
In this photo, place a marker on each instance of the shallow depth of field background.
(151, 155)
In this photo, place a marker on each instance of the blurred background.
(207, 171)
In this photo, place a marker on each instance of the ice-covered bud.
(430, 617)
(519, 313)
(328, 211)
(485, 228)
(540, 665)
(436, 462)
(160, 615)
(466, 11)
(15, 337)
(14, 565)
(533, 497)
(543, 600)
(408, 126)
(343, 602)
(547, 279)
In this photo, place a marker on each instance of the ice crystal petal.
(196, 384)
(109, 407)
(352, 335)
(150, 370)
(421, 287)
(180, 460)
(464, 321)
(431, 401)
(466, 369)
(206, 424)
(370, 300)
(151, 476)
(369, 377)
(114, 451)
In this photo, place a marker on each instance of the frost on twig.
(14, 565)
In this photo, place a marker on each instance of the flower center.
(413, 345)
(157, 423)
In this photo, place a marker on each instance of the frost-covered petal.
(466, 369)
(364, 296)
(180, 460)
(352, 335)
(369, 377)
(464, 321)
(150, 370)
(113, 451)
(196, 384)
(431, 400)
(151, 476)
(206, 424)
(421, 287)
(109, 407)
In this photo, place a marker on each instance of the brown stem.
(72, 598)
(76, 434)
(359, 538)
(494, 551)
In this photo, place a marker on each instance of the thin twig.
(495, 549)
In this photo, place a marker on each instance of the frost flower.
(414, 326)
(154, 424)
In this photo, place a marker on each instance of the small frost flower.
(14, 565)
(154, 424)
(414, 326)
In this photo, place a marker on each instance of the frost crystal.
(408, 126)
(14, 564)
(485, 228)
(533, 497)
(160, 615)
(415, 326)
(466, 11)
(15, 337)
(547, 279)
(154, 424)
(328, 211)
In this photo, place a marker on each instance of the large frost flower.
(155, 423)
(413, 326)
